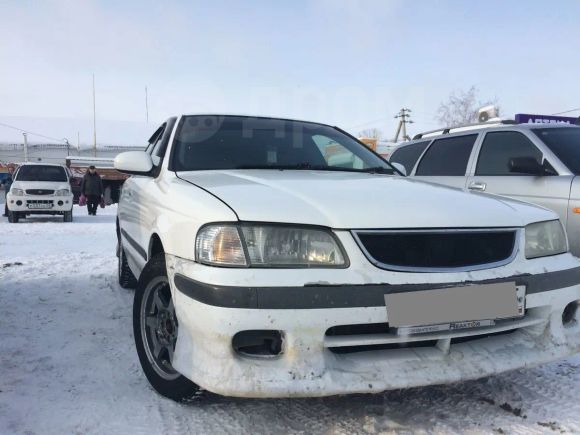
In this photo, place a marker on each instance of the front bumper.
(314, 363)
(39, 204)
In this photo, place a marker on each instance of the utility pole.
(79, 143)
(404, 119)
(25, 147)
(94, 120)
(146, 106)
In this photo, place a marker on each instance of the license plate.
(34, 205)
(455, 306)
(410, 330)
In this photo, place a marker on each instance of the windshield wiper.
(379, 170)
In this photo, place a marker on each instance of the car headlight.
(545, 238)
(282, 246)
(62, 192)
(17, 192)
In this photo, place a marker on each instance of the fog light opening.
(19, 203)
(569, 313)
(258, 343)
(60, 203)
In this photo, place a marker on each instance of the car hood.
(54, 185)
(358, 200)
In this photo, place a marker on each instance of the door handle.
(477, 185)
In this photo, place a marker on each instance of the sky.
(344, 62)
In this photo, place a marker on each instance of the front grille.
(39, 201)
(39, 192)
(438, 250)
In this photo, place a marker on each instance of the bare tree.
(461, 108)
(371, 133)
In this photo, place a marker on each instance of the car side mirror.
(399, 167)
(527, 166)
(134, 163)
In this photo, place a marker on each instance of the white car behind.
(40, 188)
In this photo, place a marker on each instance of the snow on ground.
(68, 364)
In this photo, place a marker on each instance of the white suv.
(40, 188)
(281, 258)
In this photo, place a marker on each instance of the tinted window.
(499, 148)
(408, 155)
(565, 143)
(41, 173)
(234, 142)
(447, 156)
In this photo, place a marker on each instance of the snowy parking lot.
(68, 363)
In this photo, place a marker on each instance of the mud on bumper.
(336, 339)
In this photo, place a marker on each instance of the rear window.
(41, 173)
(408, 155)
(565, 143)
(499, 148)
(447, 157)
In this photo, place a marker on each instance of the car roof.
(477, 128)
(234, 115)
(39, 164)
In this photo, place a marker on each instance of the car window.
(565, 143)
(408, 155)
(41, 173)
(154, 139)
(447, 156)
(156, 153)
(499, 148)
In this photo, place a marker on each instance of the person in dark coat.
(7, 183)
(92, 188)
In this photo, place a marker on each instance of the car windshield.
(41, 173)
(237, 142)
(565, 143)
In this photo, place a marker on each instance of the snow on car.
(40, 189)
(280, 258)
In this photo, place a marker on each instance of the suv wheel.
(155, 329)
(126, 277)
(68, 216)
(13, 217)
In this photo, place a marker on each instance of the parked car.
(40, 188)
(528, 162)
(263, 270)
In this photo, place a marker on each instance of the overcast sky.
(344, 62)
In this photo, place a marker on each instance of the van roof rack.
(449, 130)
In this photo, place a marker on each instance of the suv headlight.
(281, 246)
(17, 192)
(545, 238)
(62, 192)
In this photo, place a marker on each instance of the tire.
(13, 217)
(68, 216)
(155, 330)
(126, 277)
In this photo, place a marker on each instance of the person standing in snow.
(7, 183)
(92, 188)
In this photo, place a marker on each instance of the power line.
(566, 111)
(64, 141)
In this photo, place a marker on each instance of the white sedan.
(280, 258)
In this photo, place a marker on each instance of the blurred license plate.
(39, 205)
(455, 307)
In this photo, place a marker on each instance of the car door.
(446, 160)
(492, 172)
(134, 213)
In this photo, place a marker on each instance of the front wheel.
(68, 216)
(155, 329)
(13, 217)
